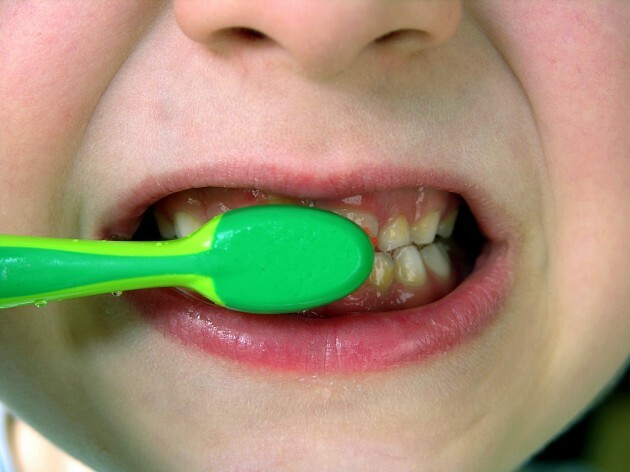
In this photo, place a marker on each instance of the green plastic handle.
(263, 259)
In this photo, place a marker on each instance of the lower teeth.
(382, 274)
(409, 269)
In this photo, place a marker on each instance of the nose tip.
(320, 36)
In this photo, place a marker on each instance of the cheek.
(584, 129)
(572, 62)
(56, 60)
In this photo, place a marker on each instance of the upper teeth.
(365, 220)
(394, 234)
(423, 231)
(185, 224)
(445, 229)
(165, 226)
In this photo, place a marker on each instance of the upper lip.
(122, 217)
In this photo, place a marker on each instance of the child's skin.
(526, 101)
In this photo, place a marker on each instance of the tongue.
(403, 277)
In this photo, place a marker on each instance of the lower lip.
(352, 343)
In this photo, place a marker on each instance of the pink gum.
(413, 203)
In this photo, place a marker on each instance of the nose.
(322, 37)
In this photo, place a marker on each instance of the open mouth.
(416, 260)
(436, 281)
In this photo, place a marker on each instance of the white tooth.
(165, 226)
(382, 274)
(185, 224)
(394, 234)
(436, 259)
(445, 228)
(423, 231)
(365, 220)
(354, 200)
(409, 269)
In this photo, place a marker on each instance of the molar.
(382, 274)
(423, 231)
(436, 259)
(185, 224)
(394, 234)
(409, 269)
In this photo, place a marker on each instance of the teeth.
(165, 227)
(394, 234)
(276, 200)
(382, 274)
(436, 259)
(185, 224)
(409, 269)
(409, 264)
(365, 220)
(445, 229)
(423, 231)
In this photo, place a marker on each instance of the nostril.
(404, 38)
(401, 34)
(245, 34)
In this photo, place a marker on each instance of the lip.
(352, 343)
(122, 217)
(365, 342)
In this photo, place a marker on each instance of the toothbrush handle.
(36, 270)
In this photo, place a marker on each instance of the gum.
(206, 203)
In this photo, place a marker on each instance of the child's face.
(520, 107)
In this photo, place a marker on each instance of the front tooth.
(436, 259)
(394, 234)
(409, 269)
(185, 224)
(445, 228)
(382, 274)
(277, 200)
(165, 226)
(365, 220)
(423, 231)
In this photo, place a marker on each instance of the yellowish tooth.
(445, 228)
(436, 259)
(276, 200)
(165, 226)
(394, 234)
(365, 220)
(185, 224)
(423, 231)
(409, 269)
(382, 274)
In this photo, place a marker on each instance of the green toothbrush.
(262, 259)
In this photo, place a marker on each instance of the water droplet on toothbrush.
(117, 293)
(41, 303)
